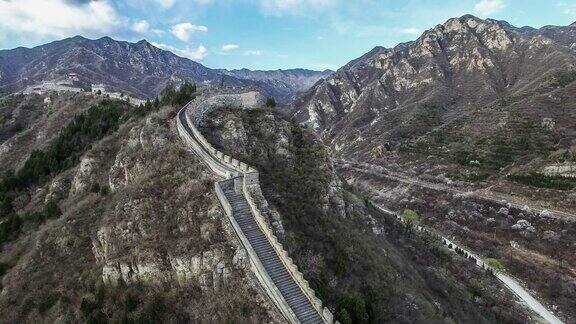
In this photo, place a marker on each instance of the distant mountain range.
(284, 85)
(140, 69)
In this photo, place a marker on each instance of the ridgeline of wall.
(245, 180)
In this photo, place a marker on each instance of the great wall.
(274, 269)
(510, 283)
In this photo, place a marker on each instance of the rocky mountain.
(464, 60)
(283, 85)
(472, 125)
(482, 76)
(565, 36)
(107, 196)
(140, 69)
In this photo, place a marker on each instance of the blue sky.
(260, 34)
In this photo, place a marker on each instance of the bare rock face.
(561, 169)
(58, 189)
(83, 178)
(131, 161)
(208, 270)
(166, 227)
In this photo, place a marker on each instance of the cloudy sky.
(260, 34)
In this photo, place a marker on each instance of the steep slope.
(471, 99)
(125, 228)
(466, 60)
(366, 266)
(30, 122)
(564, 35)
(283, 85)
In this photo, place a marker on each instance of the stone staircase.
(273, 268)
(296, 299)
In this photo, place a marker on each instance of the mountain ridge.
(561, 36)
(140, 68)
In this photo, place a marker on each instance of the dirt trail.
(484, 193)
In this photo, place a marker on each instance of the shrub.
(10, 228)
(131, 301)
(411, 216)
(564, 78)
(95, 187)
(271, 102)
(26, 306)
(33, 218)
(540, 180)
(351, 309)
(104, 190)
(343, 316)
(494, 263)
(88, 304)
(180, 97)
(245, 311)
(48, 301)
(340, 264)
(51, 209)
(152, 311)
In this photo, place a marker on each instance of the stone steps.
(281, 277)
(271, 261)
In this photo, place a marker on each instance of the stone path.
(289, 289)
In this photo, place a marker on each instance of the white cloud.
(184, 31)
(141, 27)
(59, 18)
(488, 7)
(196, 54)
(411, 31)
(281, 7)
(229, 47)
(253, 53)
(165, 3)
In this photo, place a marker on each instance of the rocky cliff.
(467, 73)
